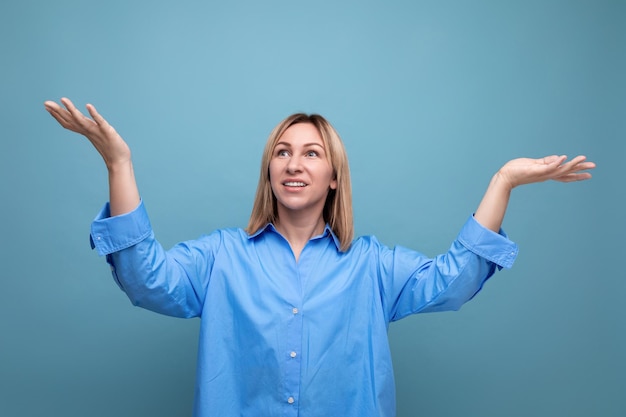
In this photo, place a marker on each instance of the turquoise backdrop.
(430, 97)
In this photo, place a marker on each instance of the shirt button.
(293, 354)
(294, 310)
(290, 400)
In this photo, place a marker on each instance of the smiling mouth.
(294, 184)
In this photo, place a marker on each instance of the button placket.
(292, 358)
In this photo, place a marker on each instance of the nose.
(294, 164)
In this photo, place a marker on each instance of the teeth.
(295, 184)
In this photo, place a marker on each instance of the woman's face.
(300, 171)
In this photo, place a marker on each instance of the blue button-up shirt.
(286, 338)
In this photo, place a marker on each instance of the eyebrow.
(304, 145)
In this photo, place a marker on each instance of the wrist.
(502, 180)
(119, 166)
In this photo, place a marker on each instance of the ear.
(333, 184)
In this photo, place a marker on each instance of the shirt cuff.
(495, 247)
(112, 234)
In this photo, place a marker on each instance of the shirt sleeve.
(494, 247)
(112, 234)
(413, 283)
(171, 282)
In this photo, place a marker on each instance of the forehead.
(301, 134)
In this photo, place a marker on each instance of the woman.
(294, 311)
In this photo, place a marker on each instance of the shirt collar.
(327, 232)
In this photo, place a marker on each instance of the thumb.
(554, 159)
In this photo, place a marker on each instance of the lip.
(294, 181)
(294, 188)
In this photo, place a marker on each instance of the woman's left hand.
(527, 170)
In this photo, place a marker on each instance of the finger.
(578, 159)
(553, 162)
(547, 160)
(575, 164)
(581, 166)
(50, 105)
(572, 171)
(59, 113)
(584, 164)
(578, 169)
(572, 177)
(82, 122)
(72, 109)
(67, 103)
(53, 108)
(96, 116)
(587, 165)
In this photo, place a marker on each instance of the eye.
(282, 153)
(312, 154)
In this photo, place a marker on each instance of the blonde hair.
(338, 207)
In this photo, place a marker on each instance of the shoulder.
(229, 234)
(366, 244)
(218, 239)
(371, 247)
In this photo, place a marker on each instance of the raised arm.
(492, 208)
(123, 192)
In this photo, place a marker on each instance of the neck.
(298, 230)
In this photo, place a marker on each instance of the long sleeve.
(413, 283)
(169, 282)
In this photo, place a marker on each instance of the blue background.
(430, 97)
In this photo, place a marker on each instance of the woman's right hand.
(100, 133)
(123, 192)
